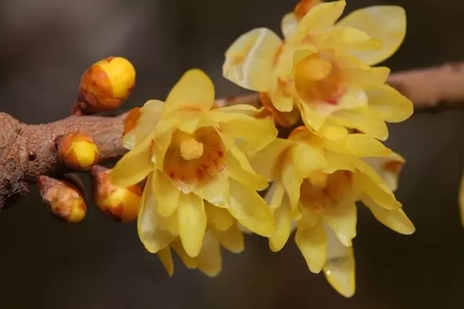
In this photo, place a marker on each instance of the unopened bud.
(77, 151)
(121, 203)
(62, 198)
(106, 85)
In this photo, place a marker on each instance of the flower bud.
(63, 199)
(106, 85)
(77, 151)
(121, 203)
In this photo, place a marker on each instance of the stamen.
(191, 149)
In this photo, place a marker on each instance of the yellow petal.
(374, 186)
(166, 194)
(149, 225)
(134, 166)
(219, 218)
(251, 210)
(348, 38)
(194, 90)
(189, 262)
(339, 270)
(320, 17)
(342, 220)
(363, 119)
(311, 117)
(360, 145)
(250, 59)
(383, 22)
(215, 191)
(191, 221)
(232, 239)
(388, 168)
(275, 195)
(307, 159)
(292, 180)
(394, 219)
(284, 220)
(289, 24)
(312, 243)
(239, 168)
(391, 105)
(255, 133)
(461, 199)
(332, 130)
(140, 122)
(165, 257)
(267, 159)
(209, 261)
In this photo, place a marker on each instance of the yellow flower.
(339, 268)
(193, 152)
(322, 69)
(316, 182)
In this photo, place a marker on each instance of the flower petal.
(140, 122)
(320, 17)
(363, 119)
(312, 243)
(149, 225)
(134, 166)
(342, 220)
(339, 270)
(385, 23)
(360, 145)
(232, 239)
(267, 159)
(166, 194)
(215, 191)
(289, 24)
(239, 169)
(292, 180)
(189, 262)
(209, 261)
(255, 133)
(374, 186)
(191, 221)
(391, 105)
(394, 219)
(250, 59)
(194, 90)
(388, 168)
(165, 257)
(251, 210)
(284, 221)
(218, 218)
(275, 195)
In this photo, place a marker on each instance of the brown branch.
(28, 151)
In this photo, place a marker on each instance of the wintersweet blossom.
(316, 184)
(194, 154)
(322, 69)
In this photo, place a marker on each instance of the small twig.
(28, 151)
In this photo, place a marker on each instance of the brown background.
(44, 47)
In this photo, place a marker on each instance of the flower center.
(319, 78)
(190, 149)
(194, 158)
(321, 190)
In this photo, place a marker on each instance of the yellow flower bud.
(121, 203)
(78, 151)
(106, 84)
(62, 198)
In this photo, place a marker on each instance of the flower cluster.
(205, 165)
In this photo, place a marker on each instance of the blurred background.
(45, 47)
